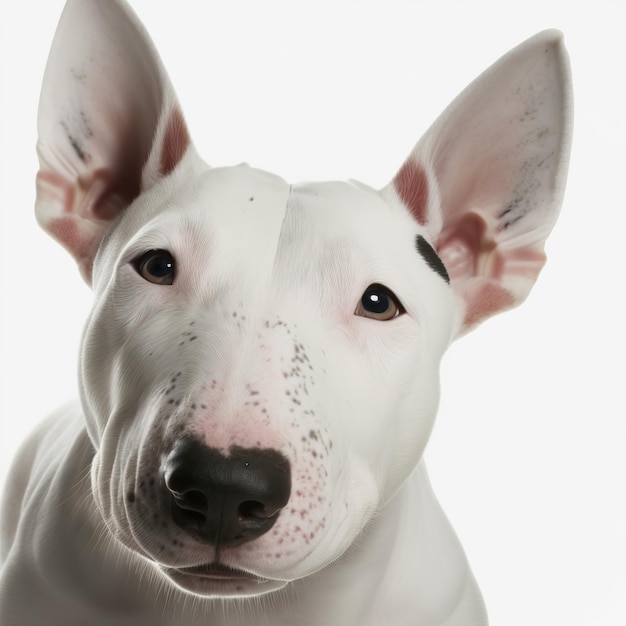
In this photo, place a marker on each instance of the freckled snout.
(225, 499)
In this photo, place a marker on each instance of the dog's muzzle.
(225, 499)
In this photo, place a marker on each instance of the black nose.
(226, 499)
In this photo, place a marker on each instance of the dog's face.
(259, 373)
(242, 312)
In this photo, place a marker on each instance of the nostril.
(189, 519)
(252, 511)
(191, 500)
(189, 508)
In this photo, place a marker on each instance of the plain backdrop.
(528, 455)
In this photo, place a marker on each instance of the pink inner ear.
(412, 186)
(64, 229)
(175, 143)
(67, 231)
(488, 299)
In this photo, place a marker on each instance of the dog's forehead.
(244, 197)
(248, 197)
(249, 209)
(339, 205)
(292, 232)
(348, 216)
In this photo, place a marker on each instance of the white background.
(529, 452)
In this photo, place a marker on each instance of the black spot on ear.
(431, 257)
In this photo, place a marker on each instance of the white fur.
(257, 344)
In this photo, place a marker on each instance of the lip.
(218, 571)
(219, 580)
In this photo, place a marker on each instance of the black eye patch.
(431, 257)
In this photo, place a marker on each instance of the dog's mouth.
(217, 579)
(218, 571)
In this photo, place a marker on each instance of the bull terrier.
(259, 375)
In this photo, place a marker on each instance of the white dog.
(259, 374)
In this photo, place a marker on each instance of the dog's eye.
(379, 303)
(156, 266)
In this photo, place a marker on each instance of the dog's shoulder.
(38, 463)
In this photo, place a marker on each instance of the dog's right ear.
(109, 124)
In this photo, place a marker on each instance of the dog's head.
(259, 373)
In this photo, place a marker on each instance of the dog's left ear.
(109, 124)
(487, 178)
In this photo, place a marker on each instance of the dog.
(259, 373)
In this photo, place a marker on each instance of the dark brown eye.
(156, 266)
(379, 303)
